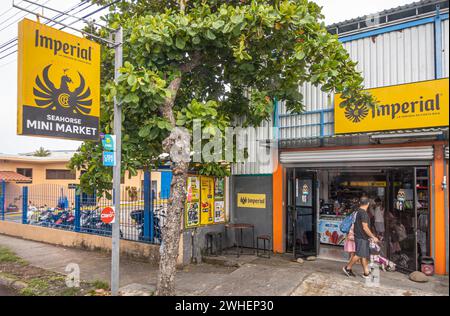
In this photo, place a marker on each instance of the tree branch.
(193, 63)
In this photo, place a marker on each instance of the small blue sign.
(109, 142)
(109, 158)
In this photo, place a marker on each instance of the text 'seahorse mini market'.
(58, 83)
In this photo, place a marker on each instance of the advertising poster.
(219, 203)
(58, 83)
(330, 233)
(207, 200)
(192, 210)
(219, 188)
(219, 211)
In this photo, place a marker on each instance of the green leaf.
(210, 35)
(236, 19)
(300, 55)
(131, 80)
(218, 24)
(144, 131)
(180, 43)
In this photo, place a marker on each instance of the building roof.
(408, 11)
(11, 176)
(55, 156)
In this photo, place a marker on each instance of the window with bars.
(59, 174)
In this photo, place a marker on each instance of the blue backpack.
(347, 223)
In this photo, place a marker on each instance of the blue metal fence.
(142, 212)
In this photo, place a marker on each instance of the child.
(349, 245)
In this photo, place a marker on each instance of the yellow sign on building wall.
(58, 83)
(413, 105)
(250, 200)
(207, 200)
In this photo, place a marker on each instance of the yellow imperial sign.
(250, 200)
(413, 105)
(58, 83)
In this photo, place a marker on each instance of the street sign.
(109, 142)
(58, 83)
(109, 158)
(108, 215)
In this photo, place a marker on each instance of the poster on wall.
(192, 211)
(219, 211)
(207, 200)
(58, 83)
(219, 203)
(219, 185)
(193, 189)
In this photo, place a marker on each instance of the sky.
(334, 11)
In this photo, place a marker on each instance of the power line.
(12, 42)
(6, 20)
(13, 22)
(84, 17)
(7, 10)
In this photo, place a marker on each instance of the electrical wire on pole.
(12, 42)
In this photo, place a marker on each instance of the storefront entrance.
(318, 200)
(302, 212)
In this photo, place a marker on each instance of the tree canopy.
(233, 57)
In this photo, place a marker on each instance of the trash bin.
(427, 266)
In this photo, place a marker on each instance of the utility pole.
(115, 251)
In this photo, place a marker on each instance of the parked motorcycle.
(138, 217)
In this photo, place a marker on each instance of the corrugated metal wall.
(387, 59)
(257, 150)
(445, 55)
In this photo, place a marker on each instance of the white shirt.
(379, 214)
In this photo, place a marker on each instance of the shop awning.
(11, 176)
(358, 155)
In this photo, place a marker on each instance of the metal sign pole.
(116, 171)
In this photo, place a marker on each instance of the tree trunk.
(171, 230)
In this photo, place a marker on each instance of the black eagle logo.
(47, 95)
(356, 113)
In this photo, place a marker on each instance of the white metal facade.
(445, 48)
(258, 151)
(357, 155)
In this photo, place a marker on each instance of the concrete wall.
(148, 252)
(262, 219)
(194, 242)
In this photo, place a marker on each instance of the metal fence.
(142, 213)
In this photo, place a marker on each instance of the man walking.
(362, 235)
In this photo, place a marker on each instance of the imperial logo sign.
(413, 105)
(58, 83)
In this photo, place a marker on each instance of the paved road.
(4, 291)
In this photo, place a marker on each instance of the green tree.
(41, 152)
(212, 60)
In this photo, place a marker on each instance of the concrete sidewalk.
(249, 276)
